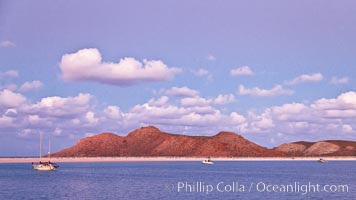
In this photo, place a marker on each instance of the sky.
(273, 71)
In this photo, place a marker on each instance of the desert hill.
(322, 148)
(150, 141)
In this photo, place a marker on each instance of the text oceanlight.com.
(262, 187)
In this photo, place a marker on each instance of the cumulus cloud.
(35, 121)
(237, 118)
(113, 112)
(224, 99)
(344, 106)
(52, 114)
(7, 43)
(242, 71)
(9, 74)
(275, 91)
(181, 92)
(200, 101)
(336, 81)
(87, 65)
(56, 106)
(192, 114)
(345, 101)
(300, 121)
(194, 101)
(30, 86)
(10, 99)
(162, 101)
(306, 78)
(91, 118)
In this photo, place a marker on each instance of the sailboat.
(45, 166)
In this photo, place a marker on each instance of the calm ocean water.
(182, 180)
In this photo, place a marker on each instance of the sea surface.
(182, 180)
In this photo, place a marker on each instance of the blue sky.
(275, 71)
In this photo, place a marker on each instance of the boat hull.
(41, 167)
(207, 162)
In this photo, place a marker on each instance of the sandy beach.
(170, 159)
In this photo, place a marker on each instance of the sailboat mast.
(49, 149)
(40, 145)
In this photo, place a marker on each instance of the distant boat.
(321, 160)
(45, 166)
(207, 161)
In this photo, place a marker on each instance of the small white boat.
(207, 162)
(45, 166)
(321, 160)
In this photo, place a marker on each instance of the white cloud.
(10, 112)
(10, 99)
(7, 43)
(306, 78)
(303, 121)
(336, 81)
(181, 92)
(162, 101)
(242, 71)
(191, 98)
(237, 118)
(289, 111)
(211, 57)
(194, 101)
(347, 128)
(224, 99)
(345, 101)
(201, 72)
(344, 106)
(113, 112)
(87, 65)
(9, 74)
(91, 118)
(36, 121)
(193, 114)
(30, 86)
(56, 106)
(275, 91)
(264, 123)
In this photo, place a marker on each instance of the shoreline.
(172, 159)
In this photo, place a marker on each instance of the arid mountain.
(322, 148)
(150, 141)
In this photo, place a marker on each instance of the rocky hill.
(322, 148)
(150, 141)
